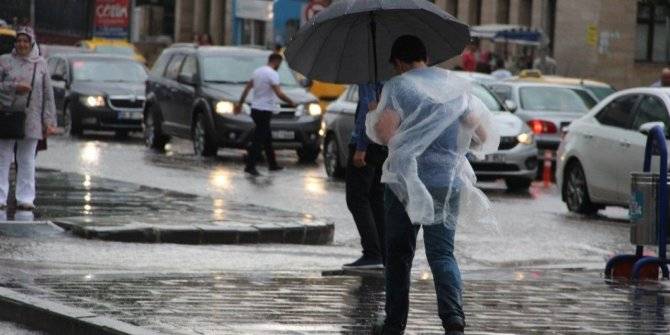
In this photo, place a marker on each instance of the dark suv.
(191, 92)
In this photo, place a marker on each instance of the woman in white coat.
(16, 76)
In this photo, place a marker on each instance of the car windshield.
(601, 92)
(108, 70)
(115, 50)
(238, 69)
(487, 98)
(555, 99)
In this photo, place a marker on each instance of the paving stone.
(281, 303)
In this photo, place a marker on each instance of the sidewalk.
(104, 209)
(496, 302)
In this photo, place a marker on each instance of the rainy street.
(534, 229)
(538, 259)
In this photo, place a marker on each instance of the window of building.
(253, 32)
(525, 12)
(502, 11)
(652, 43)
(475, 14)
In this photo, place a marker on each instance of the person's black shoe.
(364, 263)
(276, 168)
(252, 171)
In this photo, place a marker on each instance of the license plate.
(130, 115)
(283, 135)
(495, 158)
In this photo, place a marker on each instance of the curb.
(318, 233)
(55, 318)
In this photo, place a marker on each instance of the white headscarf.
(34, 55)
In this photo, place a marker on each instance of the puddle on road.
(61, 195)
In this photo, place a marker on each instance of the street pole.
(32, 14)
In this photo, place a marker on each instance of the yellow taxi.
(7, 37)
(598, 88)
(111, 46)
(326, 92)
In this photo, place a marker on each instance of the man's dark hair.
(275, 57)
(408, 49)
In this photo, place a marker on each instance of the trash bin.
(642, 208)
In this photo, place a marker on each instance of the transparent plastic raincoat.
(430, 121)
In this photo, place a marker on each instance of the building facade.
(623, 42)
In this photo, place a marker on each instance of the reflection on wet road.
(533, 228)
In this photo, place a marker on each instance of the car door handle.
(173, 90)
(588, 136)
(624, 144)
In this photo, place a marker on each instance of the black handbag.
(13, 123)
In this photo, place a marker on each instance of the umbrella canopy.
(350, 42)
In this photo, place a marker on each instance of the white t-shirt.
(264, 98)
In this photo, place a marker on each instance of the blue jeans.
(400, 246)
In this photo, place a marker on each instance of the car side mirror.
(188, 79)
(645, 128)
(511, 105)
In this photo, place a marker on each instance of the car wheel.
(202, 143)
(71, 124)
(331, 158)
(576, 190)
(308, 154)
(518, 184)
(153, 133)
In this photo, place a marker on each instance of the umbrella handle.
(373, 30)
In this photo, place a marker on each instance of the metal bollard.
(546, 169)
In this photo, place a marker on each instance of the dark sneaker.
(252, 171)
(276, 168)
(364, 264)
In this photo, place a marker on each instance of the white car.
(602, 148)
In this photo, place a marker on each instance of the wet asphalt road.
(534, 229)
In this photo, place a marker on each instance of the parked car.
(191, 93)
(101, 92)
(515, 161)
(599, 89)
(602, 148)
(113, 47)
(546, 108)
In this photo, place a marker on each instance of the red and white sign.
(111, 16)
(312, 8)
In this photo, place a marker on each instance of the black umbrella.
(350, 42)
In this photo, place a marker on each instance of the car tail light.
(542, 127)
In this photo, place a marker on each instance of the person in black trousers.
(365, 192)
(265, 103)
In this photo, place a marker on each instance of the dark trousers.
(365, 199)
(400, 246)
(261, 139)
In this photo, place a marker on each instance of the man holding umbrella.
(428, 119)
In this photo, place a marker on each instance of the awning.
(509, 33)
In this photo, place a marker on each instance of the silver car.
(546, 108)
(515, 161)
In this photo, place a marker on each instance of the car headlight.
(314, 109)
(225, 107)
(525, 138)
(93, 101)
